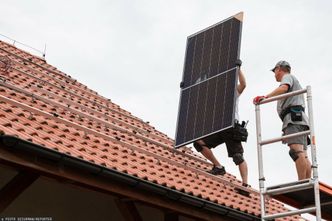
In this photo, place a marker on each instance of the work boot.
(246, 185)
(218, 170)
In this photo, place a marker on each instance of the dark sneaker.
(216, 170)
(245, 185)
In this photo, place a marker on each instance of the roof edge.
(17, 144)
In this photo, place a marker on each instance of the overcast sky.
(132, 52)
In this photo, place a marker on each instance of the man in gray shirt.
(291, 112)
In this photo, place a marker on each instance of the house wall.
(51, 199)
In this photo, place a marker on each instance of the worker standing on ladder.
(291, 112)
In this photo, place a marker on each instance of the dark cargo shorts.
(212, 141)
(294, 128)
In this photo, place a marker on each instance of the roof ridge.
(59, 73)
(58, 81)
(22, 50)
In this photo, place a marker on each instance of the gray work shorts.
(294, 128)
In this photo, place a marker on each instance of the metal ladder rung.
(290, 183)
(290, 213)
(274, 140)
(288, 189)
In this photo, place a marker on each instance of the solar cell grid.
(209, 81)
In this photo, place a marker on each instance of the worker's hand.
(238, 63)
(258, 99)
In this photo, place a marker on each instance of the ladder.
(298, 186)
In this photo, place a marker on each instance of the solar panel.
(207, 100)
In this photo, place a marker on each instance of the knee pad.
(198, 147)
(238, 158)
(294, 154)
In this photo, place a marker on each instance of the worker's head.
(280, 69)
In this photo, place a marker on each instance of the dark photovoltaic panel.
(208, 85)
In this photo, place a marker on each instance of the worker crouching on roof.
(291, 112)
(231, 137)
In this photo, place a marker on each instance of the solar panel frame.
(202, 79)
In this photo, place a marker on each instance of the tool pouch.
(296, 114)
(240, 133)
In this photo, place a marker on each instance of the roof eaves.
(17, 144)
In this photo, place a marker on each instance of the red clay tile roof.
(43, 105)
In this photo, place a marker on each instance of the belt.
(289, 109)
